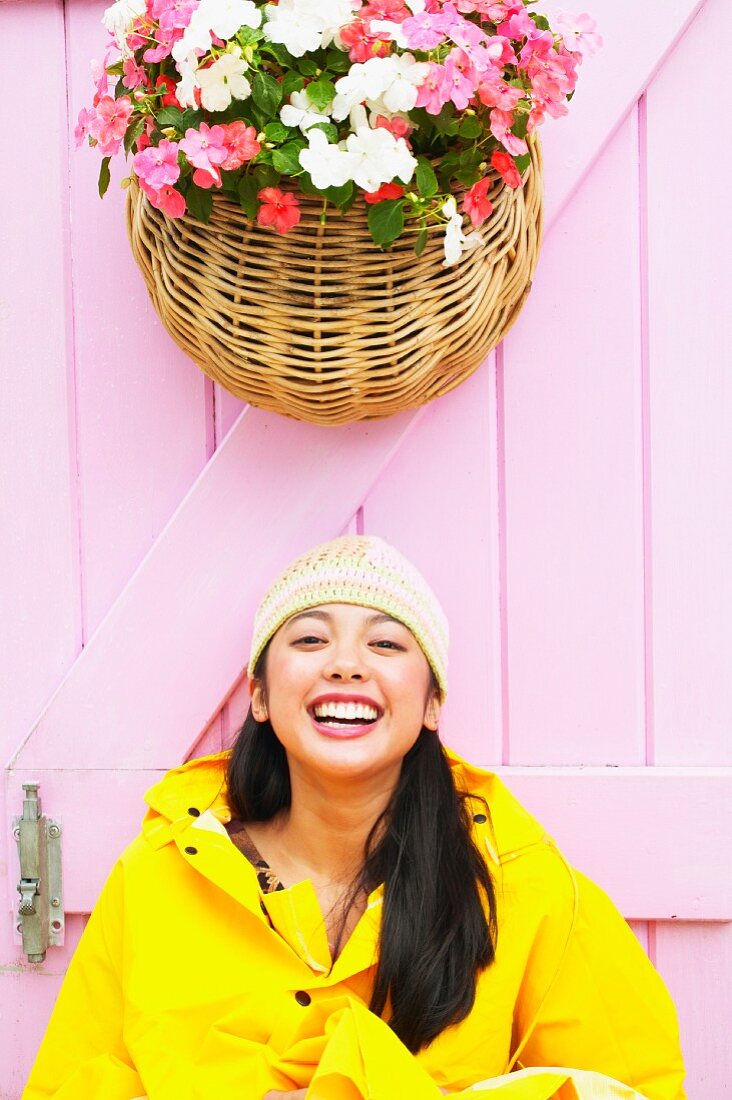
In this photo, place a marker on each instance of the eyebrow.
(372, 620)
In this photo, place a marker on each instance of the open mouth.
(345, 716)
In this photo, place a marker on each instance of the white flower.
(300, 112)
(118, 18)
(186, 87)
(303, 26)
(366, 80)
(393, 31)
(381, 157)
(223, 17)
(328, 164)
(224, 81)
(401, 94)
(455, 240)
(416, 6)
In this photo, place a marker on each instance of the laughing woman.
(342, 908)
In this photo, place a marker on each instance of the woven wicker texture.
(319, 323)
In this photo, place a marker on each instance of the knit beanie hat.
(362, 570)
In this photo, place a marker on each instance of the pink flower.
(112, 116)
(241, 144)
(494, 92)
(167, 199)
(173, 13)
(476, 203)
(386, 191)
(501, 123)
(435, 92)
(392, 10)
(506, 168)
(518, 25)
(396, 125)
(205, 147)
(166, 38)
(83, 126)
(425, 31)
(158, 164)
(579, 34)
(460, 78)
(100, 78)
(133, 75)
(279, 209)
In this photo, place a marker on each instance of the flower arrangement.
(403, 101)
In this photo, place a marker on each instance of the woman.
(342, 908)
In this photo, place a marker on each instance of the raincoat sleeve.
(605, 1007)
(83, 1055)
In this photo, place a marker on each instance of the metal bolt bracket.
(40, 887)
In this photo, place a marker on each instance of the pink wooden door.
(570, 503)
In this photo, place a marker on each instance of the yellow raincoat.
(189, 984)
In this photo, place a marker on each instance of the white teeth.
(346, 711)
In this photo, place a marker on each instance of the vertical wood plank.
(141, 404)
(690, 341)
(574, 486)
(693, 960)
(437, 503)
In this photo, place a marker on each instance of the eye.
(386, 643)
(308, 639)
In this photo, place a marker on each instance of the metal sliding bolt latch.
(40, 912)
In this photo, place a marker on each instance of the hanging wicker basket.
(319, 323)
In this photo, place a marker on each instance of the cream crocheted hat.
(363, 570)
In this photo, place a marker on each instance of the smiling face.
(347, 691)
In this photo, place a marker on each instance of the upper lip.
(338, 697)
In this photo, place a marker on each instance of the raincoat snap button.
(480, 819)
(194, 812)
(303, 998)
(191, 851)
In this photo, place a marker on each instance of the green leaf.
(321, 93)
(471, 157)
(266, 176)
(286, 160)
(279, 52)
(133, 132)
(169, 116)
(522, 162)
(116, 69)
(307, 186)
(421, 242)
(337, 61)
(248, 190)
(266, 93)
(342, 197)
(448, 165)
(469, 175)
(328, 128)
(199, 202)
(307, 66)
(191, 118)
(427, 184)
(292, 82)
(230, 181)
(541, 21)
(521, 121)
(277, 131)
(470, 128)
(386, 220)
(104, 177)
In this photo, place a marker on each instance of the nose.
(345, 666)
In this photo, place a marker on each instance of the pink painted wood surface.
(621, 826)
(585, 569)
(133, 384)
(690, 346)
(692, 958)
(190, 604)
(437, 502)
(573, 485)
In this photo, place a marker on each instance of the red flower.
(477, 204)
(279, 209)
(169, 99)
(386, 191)
(505, 165)
(241, 144)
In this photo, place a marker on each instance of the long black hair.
(435, 935)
